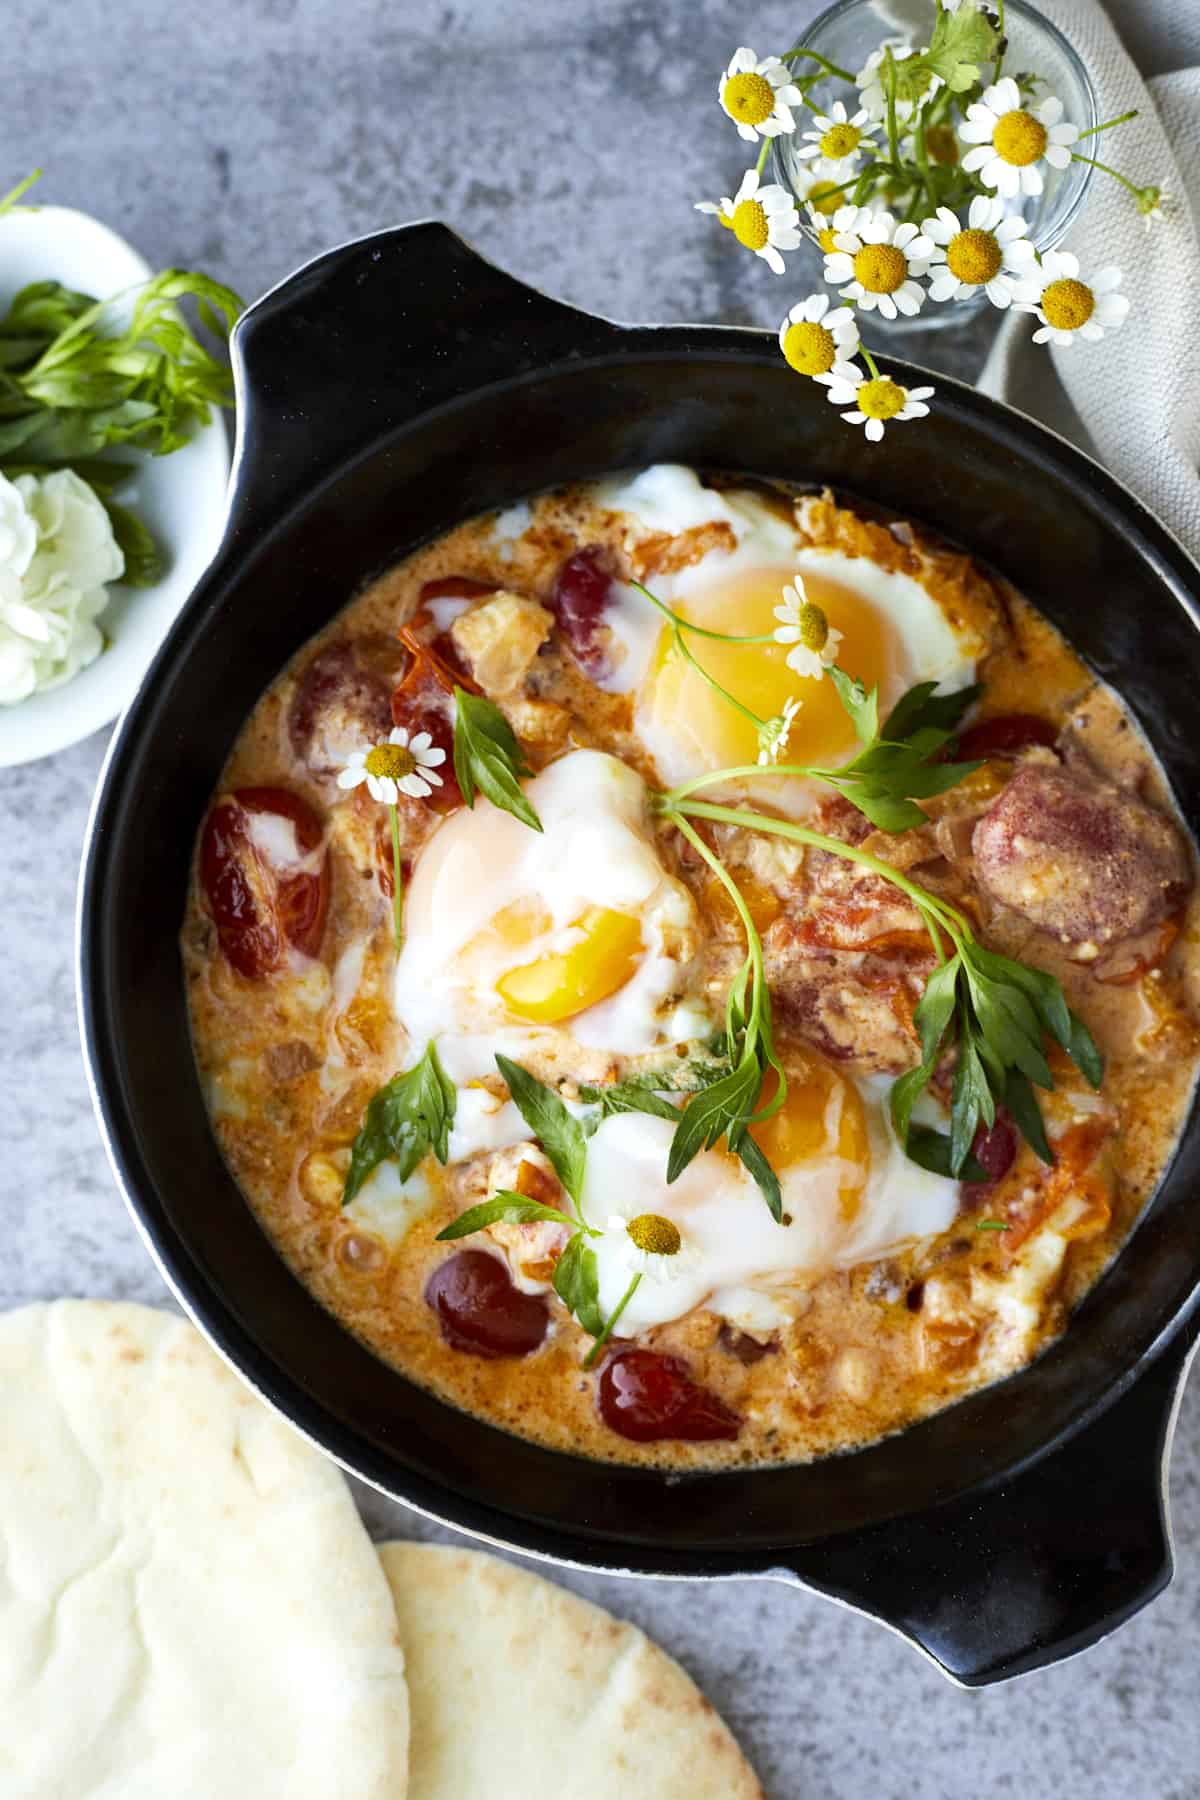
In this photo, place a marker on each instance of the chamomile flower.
(758, 95)
(881, 263)
(763, 219)
(826, 228)
(876, 401)
(824, 190)
(773, 736)
(1150, 203)
(804, 626)
(815, 340)
(871, 92)
(1012, 143)
(837, 138)
(1067, 307)
(989, 252)
(400, 765)
(651, 1246)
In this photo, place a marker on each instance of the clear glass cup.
(847, 33)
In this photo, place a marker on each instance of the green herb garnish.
(407, 1119)
(487, 757)
(560, 1134)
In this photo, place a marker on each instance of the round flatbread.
(519, 1688)
(189, 1604)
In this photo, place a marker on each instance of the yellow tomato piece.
(559, 986)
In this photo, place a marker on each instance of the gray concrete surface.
(567, 140)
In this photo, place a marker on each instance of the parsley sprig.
(993, 1012)
(488, 759)
(408, 1117)
(898, 764)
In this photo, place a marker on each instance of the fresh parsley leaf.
(971, 1098)
(896, 767)
(923, 708)
(754, 1161)
(931, 1150)
(144, 561)
(959, 43)
(1022, 1103)
(487, 757)
(863, 707)
(610, 1322)
(507, 1207)
(992, 1225)
(407, 1119)
(627, 1097)
(710, 1113)
(559, 1133)
(577, 1283)
(1084, 1052)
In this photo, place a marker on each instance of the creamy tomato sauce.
(903, 1291)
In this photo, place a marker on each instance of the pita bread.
(189, 1605)
(519, 1688)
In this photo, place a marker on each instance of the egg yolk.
(549, 988)
(822, 1115)
(710, 731)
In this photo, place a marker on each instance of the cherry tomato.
(580, 598)
(1005, 735)
(258, 907)
(646, 1396)
(995, 1150)
(481, 1311)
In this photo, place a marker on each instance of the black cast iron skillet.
(389, 390)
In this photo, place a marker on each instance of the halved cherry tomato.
(646, 1396)
(995, 1150)
(1005, 735)
(579, 600)
(481, 1311)
(260, 907)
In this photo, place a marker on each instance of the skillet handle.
(1039, 1568)
(366, 339)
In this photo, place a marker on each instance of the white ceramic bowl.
(180, 497)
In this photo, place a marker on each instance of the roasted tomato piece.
(480, 1310)
(995, 1150)
(340, 704)
(579, 601)
(424, 701)
(1005, 735)
(265, 877)
(645, 1396)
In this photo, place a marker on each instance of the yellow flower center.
(750, 224)
(942, 145)
(809, 348)
(749, 98)
(825, 197)
(813, 626)
(974, 256)
(839, 141)
(827, 240)
(881, 398)
(1019, 138)
(880, 268)
(1068, 304)
(391, 761)
(654, 1234)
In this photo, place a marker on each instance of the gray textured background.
(567, 140)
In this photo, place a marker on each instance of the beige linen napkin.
(1133, 400)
